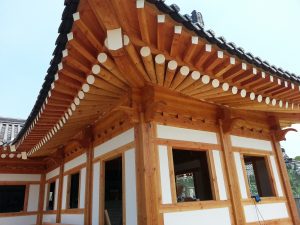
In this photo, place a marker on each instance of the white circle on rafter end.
(96, 69)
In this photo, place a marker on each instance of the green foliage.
(297, 158)
(294, 179)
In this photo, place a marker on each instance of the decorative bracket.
(229, 123)
(280, 134)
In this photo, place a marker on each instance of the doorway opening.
(113, 191)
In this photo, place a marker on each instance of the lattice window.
(9, 132)
(2, 132)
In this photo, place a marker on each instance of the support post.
(275, 127)
(41, 200)
(89, 179)
(60, 190)
(234, 191)
(147, 190)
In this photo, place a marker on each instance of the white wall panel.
(18, 220)
(64, 191)
(96, 193)
(56, 193)
(116, 142)
(164, 174)
(268, 212)
(130, 187)
(33, 197)
(74, 219)
(183, 134)
(82, 187)
(45, 196)
(20, 177)
(220, 175)
(276, 176)
(219, 216)
(240, 173)
(252, 143)
(49, 218)
(75, 162)
(52, 173)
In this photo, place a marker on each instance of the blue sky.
(268, 29)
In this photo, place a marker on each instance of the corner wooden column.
(89, 180)
(60, 189)
(283, 171)
(39, 220)
(147, 191)
(231, 172)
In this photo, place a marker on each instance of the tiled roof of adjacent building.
(9, 129)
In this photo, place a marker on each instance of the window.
(258, 176)
(12, 198)
(74, 191)
(192, 176)
(51, 196)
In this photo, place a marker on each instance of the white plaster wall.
(130, 187)
(52, 173)
(74, 219)
(96, 192)
(218, 216)
(33, 197)
(49, 218)
(240, 173)
(220, 175)
(276, 176)
(82, 188)
(183, 134)
(45, 196)
(64, 191)
(20, 177)
(268, 211)
(114, 143)
(164, 174)
(18, 220)
(252, 143)
(56, 193)
(75, 162)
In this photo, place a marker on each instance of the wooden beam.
(142, 19)
(231, 171)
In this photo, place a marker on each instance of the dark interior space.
(74, 191)
(12, 198)
(51, 196)
(192, 176)
(113, 190)
(258, 176)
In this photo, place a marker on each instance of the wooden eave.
(92, 79)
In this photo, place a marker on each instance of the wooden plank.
(235, 194)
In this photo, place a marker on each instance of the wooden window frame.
(102, 161)
(68, 195)
(211, 170)
(18, 183)
(49, 182)
(268, 165)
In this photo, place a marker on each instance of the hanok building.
(147, 118)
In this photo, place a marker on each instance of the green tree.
(297, 158)
(294, 178)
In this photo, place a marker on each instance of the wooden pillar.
(60, 190)
(231, 171)
(283, 171)
(39, 220)
(147, 187)
(89, 184)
